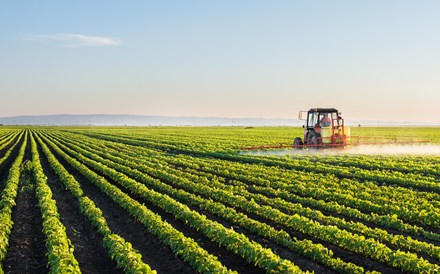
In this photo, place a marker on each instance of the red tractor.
(324, 127)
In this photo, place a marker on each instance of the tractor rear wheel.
(314, 138)
(297, 143)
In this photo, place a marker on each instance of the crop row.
(6, 140)
(423, 169)
(9, 151)
(126, 257)
(390, 177)
(206, 141)
(390, 221)
(306, 191)
(372, 177)
(322, 229)
(316, 190)
(59, 247)
(237, 243)
(7, 202)
(410, 205)
(182, 246)
(304, 247)
(292, 208)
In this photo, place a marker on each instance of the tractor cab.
(323, 127)
(320, 117)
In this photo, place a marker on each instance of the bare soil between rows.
(89, 251)
(346, 255)
(303, 263)
(156, 255)
(26, 250)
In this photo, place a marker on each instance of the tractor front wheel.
(314, 139)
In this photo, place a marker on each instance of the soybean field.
(187, 200)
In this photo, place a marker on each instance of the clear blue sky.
(373, 60)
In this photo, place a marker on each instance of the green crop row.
(280, 189)
(59, 247)
(7, 202)
(121, 251)
(382, 163)
(237, 243)
(391, 257)
(423, 213)
(417, 210)
(199, 168)
(9, 151)
(6, 140)
(305, 247)
(182, 246)
(231, 138)
(386, 220)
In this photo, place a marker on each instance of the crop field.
(186, 200)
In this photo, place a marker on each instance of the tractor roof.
(328, 110)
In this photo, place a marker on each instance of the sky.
(372, 60)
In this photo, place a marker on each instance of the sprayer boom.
(354, 141)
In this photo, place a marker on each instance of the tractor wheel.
(297, 143)
(314, 138)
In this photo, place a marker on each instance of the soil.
(227, 258)
(8, 146)
(374, 226)
(6, 165)
(285, 253)
(154, 253)
(347, 256)
(26, 250)
(89, 251)
(393, 231)
(122, 223)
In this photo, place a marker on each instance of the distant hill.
(141, 120)
(145, 120)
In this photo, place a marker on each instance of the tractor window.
(334, 117)
(325, 119)
(313, 119)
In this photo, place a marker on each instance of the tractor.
(324, 127)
